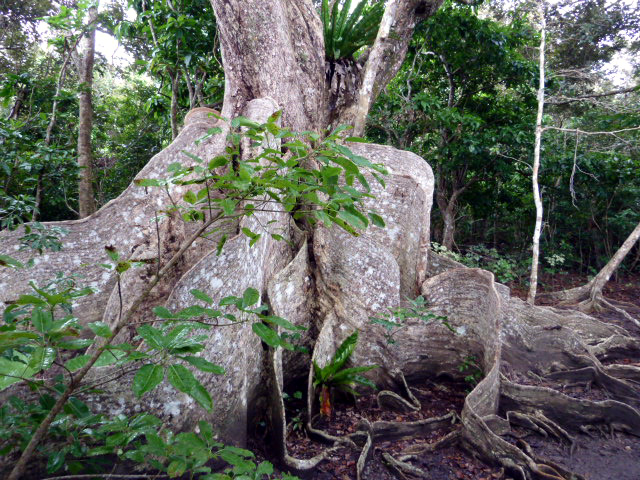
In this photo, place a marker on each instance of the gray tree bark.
(86, 200)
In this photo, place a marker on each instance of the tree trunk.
(533, 282)
(331, 282)
(38, 196)
(174, 76)
(604, 275)
(86, 200)
(448, 211)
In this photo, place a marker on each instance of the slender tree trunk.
(175, 79)
(17, 106)
(533, 283)
(38, 197)
(190, 88)
(448, 209)
(604, 275)
(591, 292)
(86, 200)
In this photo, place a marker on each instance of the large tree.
(325, 279)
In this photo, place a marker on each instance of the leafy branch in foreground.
(314, 179)
(309, 176)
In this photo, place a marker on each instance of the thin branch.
(567, 100)
(573, 172)
(584, 132)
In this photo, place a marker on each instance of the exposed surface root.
(365, 455)
(569, 412)
(395, 430)
(401, 468)
(450, 439)
(392, 401)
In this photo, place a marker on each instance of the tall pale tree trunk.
(533, 282)
(86, 200)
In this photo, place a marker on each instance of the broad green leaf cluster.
(334, 375)
(318, 179)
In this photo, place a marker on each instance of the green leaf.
(282, 322)
(201, 395)
(42, 358)
(14, 339)
(109, 357)
(200, 295)
(112, 253)
(155, 443)
(76, 344)
(176, 468)
(192, 311)
(101, 329)
(181, 378)
(354, 219)
(268, 335)
(30, 300)
(206, 431)
(204, 365)
(41, 320)
(218, 161)
(244, 122)
(228, 206)
(345, 350)
(190, 197)
(251, 296)
(230, 300)
(152, 336)
(147, 378)
(8, 261)
(76, 363)
(191, 441)
(264, 468)
(56, 460)
(122, 266)
(376, 219)
(77, 407)
(220, 244)
(9, 370)
(349, 374)
(163, 312)
(147, 182)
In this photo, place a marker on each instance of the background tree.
(466, 110)
(86, 201)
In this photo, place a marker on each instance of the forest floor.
(599, 455)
